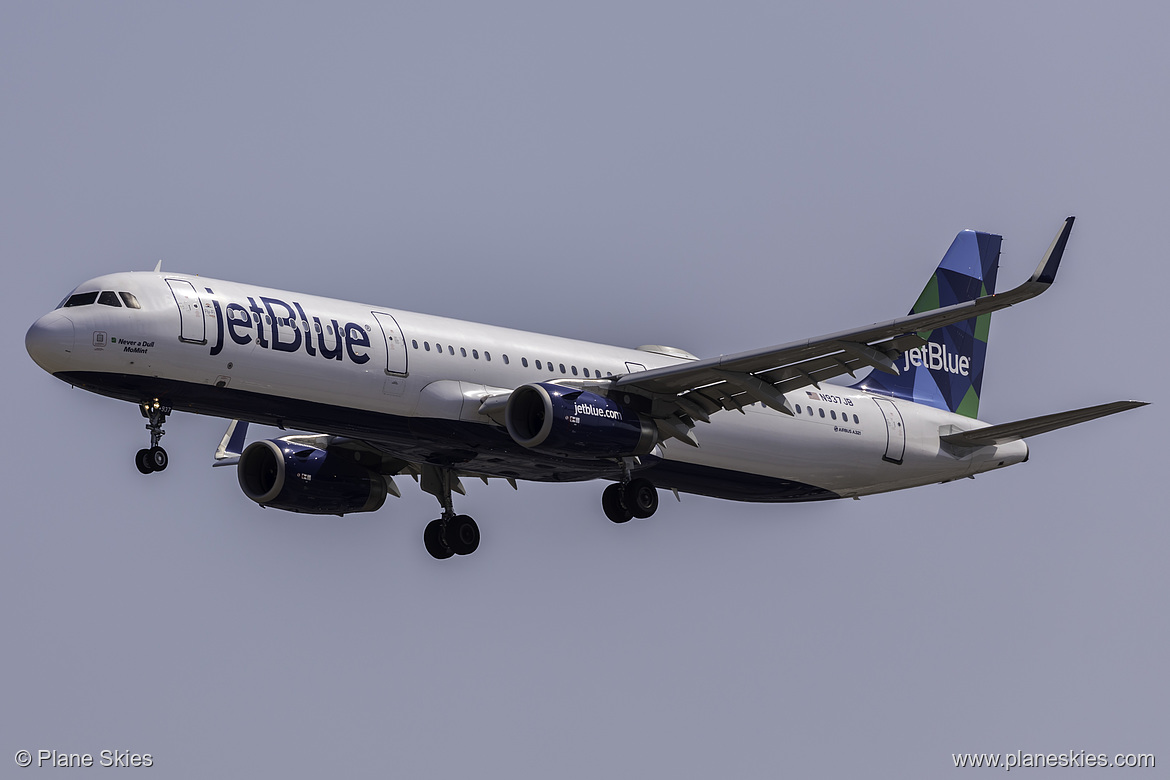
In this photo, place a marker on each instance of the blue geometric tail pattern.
(947, 372)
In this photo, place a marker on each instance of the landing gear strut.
(624, 500)
(155, 458)
(451, 534)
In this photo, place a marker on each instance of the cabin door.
(192, 327)
(395, 344)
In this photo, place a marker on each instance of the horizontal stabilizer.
(1021, 429)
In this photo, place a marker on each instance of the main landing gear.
(154, 458)
(451, 534)
(634, 498)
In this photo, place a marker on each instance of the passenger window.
(81, 299)
(505, 360)
(810, 412)
(130, 301)
(574, 370)
(438, 348)
(597, 373)
(413, 342)
(585, 371)
(562, 368)
(109, 298)
(450, 350)
(822, 411)
(475, 354)
(538, 366)
(427, 346)
(524, 362)
(855, 420)
(833, 415)
(487, 355)
(798, 409)
(463, 351)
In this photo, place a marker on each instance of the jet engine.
(576, 423)
(298, 478)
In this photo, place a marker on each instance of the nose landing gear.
(155, 457)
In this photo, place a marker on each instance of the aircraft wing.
(695, 390)
(232, 443)
(389, 464)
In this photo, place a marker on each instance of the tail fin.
(947, 371)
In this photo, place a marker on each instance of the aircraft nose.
(50, 341)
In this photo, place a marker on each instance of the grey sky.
(716, 178)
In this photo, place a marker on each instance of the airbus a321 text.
(386, 392)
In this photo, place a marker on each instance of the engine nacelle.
(314, 481)
(576, 423)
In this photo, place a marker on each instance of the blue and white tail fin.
(947, 371)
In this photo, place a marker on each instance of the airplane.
(387, 393)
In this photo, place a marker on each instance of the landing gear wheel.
(640, 497)
(158, 458)
(611, 503)
(433, 539)
(462, 535)
(155, 458)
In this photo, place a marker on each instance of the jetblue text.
(274, 324)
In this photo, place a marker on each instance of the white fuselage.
(303, 361)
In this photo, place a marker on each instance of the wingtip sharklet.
(1046, 271)
(231, 446)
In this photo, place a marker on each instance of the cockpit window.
(81, 299)
(108, 298)
(130, 301)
